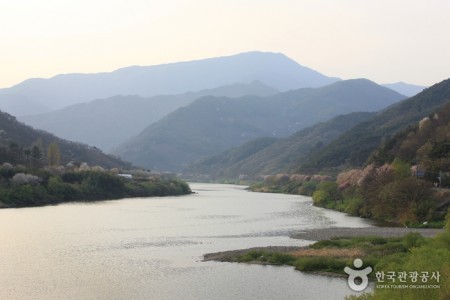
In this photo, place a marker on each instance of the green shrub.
(308, 188)
(320, 198)
(81, 186)
(250, 256)
(280, 258)
(353, 205)
(321, 264)
(413, 239)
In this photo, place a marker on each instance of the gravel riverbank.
(328, 233)
(230, 256)
(323, 234)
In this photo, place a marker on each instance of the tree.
(27, 153)
(401, 169)
(15, 153)
(53, 154)
(36, 154)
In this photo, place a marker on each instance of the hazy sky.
(383, 40)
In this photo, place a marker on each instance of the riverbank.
(232, 255)
(24, 187)
(329, 233)
(324, 234)
(334, 248)
(405, 200)
(385, 250)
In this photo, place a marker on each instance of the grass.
(331, 256)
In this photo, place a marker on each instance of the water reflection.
(152, 248)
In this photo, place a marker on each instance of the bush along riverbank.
(413, 267)
(21, 187)
(391, 193)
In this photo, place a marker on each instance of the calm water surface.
(151, 248)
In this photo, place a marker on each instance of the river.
(151, 248)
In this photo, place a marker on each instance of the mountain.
(105, 123)
(405, 88)
(18, 105)
(211, 125)
(15, 136)
(271, 155)
(426, 144)
(273, 69)
(354, 147)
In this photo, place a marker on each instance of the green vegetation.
(31, 173)
(431, 256)
(23, 145)
(354, 147)
(266, 257)
(20, 187)
(334, 254)
(403, 182)
(270, 155)
(410, 253)
(388, 193)
(211, 125)
(426, 145)
(296, 184)
(53, 154)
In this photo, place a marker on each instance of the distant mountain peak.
(273, 69)
(405, 88)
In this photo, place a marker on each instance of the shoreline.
(318, 235)
(231, 255)
(334, 232)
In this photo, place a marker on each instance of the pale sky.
(382, 40)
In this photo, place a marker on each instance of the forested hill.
(405, 179)
(269, 155)
(354, 147)
(211, 125)
(426, 145)
(105, 123)
(19, 144)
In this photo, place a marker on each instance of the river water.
(151, 248)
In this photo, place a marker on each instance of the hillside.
(426, 144)
(273, 69)
(105, 123)
(404, 180)
(16, 138)
(354, 147)
(270, 155)
(211, 125)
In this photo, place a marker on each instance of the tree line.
(21, 186)
(35, 156)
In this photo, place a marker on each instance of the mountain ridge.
(353, 148)
(273, 69)
(105, 123)
(270, 155)
(211, 125)
(406, 89)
